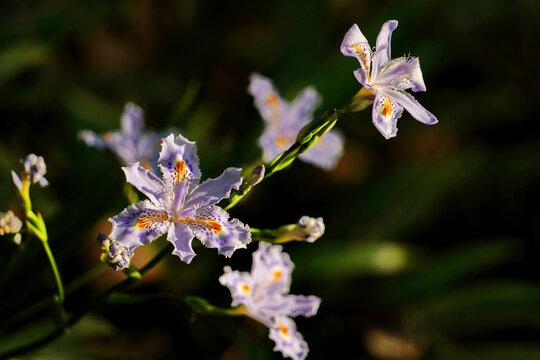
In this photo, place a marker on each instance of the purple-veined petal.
(362, 78)
(355, 44)
(410, 104)
(302, 108)
(326, 152)
(212, 191)
(147, 183)
(92, 139)
(16, 180)
(288, 341)
(267, 99)
(401, 74)
(294, 305)
(124, 149)
(271, 270)
(239, 283)
(382, 47)
(132, 121)
(179, 163)
(211, 225)
(148, 149)
(181, 236)
(139, 224)
(385, 114)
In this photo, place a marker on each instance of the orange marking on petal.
(151, 219)
(277, 274)
(180, 172)
(204, 221)
(146, 164)
(363, 57)
(387, 106)
(272, 99)
(280, 141)
(245, 288)
(283, 329)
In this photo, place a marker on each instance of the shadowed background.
(431, 244)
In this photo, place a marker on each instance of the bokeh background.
(431, 247)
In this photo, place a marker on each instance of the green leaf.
(21, 57)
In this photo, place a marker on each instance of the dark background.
(431, 245)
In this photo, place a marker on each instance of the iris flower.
(264, 294)
(388, 78)
(131, 143)
(283, 121)
(179, 206)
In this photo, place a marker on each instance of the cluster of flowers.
(182, 207)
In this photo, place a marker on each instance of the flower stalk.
(34, 222)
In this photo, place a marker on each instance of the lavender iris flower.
(264, 293)
(131, 143)
(389, 78)
(283, 121)
(179, 205)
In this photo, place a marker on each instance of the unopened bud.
(308, 229)
(35, 169)
(256, 175)
(9, 223)
(115, 255)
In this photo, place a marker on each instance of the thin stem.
(307, 137)
(73, 286)
(197, 304)
(52, 335)
(55, 271)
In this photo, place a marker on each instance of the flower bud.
(308, 229)
(115, 255)
(256, 175)
(35, 169)
(9, 223)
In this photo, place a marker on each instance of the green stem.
(307, 137)
(197, 304)
(73, 286)
(53, 334)
(55, 271)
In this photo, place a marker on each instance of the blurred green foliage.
(432, 237)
